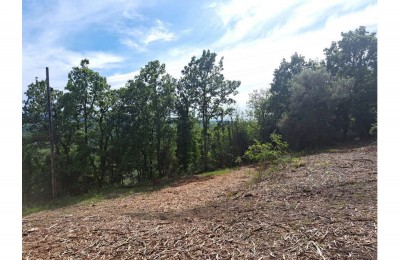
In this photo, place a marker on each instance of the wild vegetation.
(159, 127)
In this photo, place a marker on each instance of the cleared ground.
(323, 206)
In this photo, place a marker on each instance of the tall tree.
(88, 91)
(185, 141)
(162, 99)
(269, 106)
(313, 99)
(262, 111)
(279, 99)
(149, 102)
(355, 55)
(209, 92)
(34, 112)
(35, 137)
(35, 141)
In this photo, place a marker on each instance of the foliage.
(206, 90)
(355, 55)
(267, 152)
(216, 173)
(315, 96)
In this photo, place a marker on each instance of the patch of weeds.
(215, 173)
(91, 197)
(324, 164)
(230, 194)
(297, 163)
(259, 176)
(263, 172)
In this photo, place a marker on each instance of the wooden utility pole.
(53, 179)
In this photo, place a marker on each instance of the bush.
(267, 152)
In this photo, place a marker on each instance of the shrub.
(267, 152)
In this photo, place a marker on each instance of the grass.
(264, 170)
(216, 173)
(89, 198)
(60, 203)
(297, 162)
(106, 193)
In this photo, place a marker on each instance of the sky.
(121, 36)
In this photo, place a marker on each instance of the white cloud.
(119, 80)
(60, 63)
(101, 60)
(138, 38)
(47, 28)
(133, 45)
(247, 18)
(256, 36)
(253, 61)
(159, 32)
(211, 5)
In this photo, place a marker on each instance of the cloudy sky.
(121, 36)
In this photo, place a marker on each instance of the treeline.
(158, 126)
(314, 103)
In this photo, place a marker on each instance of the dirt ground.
(324, 206)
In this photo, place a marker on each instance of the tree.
(87, 104)
(314, 97)
(162, 99)
(269, 106)
(209, 91)
(340, 105)
(185, 142)
(34, 112)
(36, 178)
(355, 56)
(261, 110)
(279, 100)
(148, 103)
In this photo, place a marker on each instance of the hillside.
(324, 206)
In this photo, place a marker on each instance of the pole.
(53, 179)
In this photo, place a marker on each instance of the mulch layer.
(322, 207)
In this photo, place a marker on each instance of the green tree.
(279, 100)
(270, 105)
(34, 112)
(87, 104)
(147, 105)
(185, 141)
(261, 111)
(36, 180)
(314, 99)
(162, 96)
(209, 91)
(222, 139)
(355, 56)
(34, 142)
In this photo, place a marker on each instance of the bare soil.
(324, 207)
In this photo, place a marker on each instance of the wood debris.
(328, 214)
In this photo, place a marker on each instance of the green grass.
(89, 198)
(215, 173)
(60, 203)
(297, 162)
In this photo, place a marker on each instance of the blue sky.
(120, 36)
